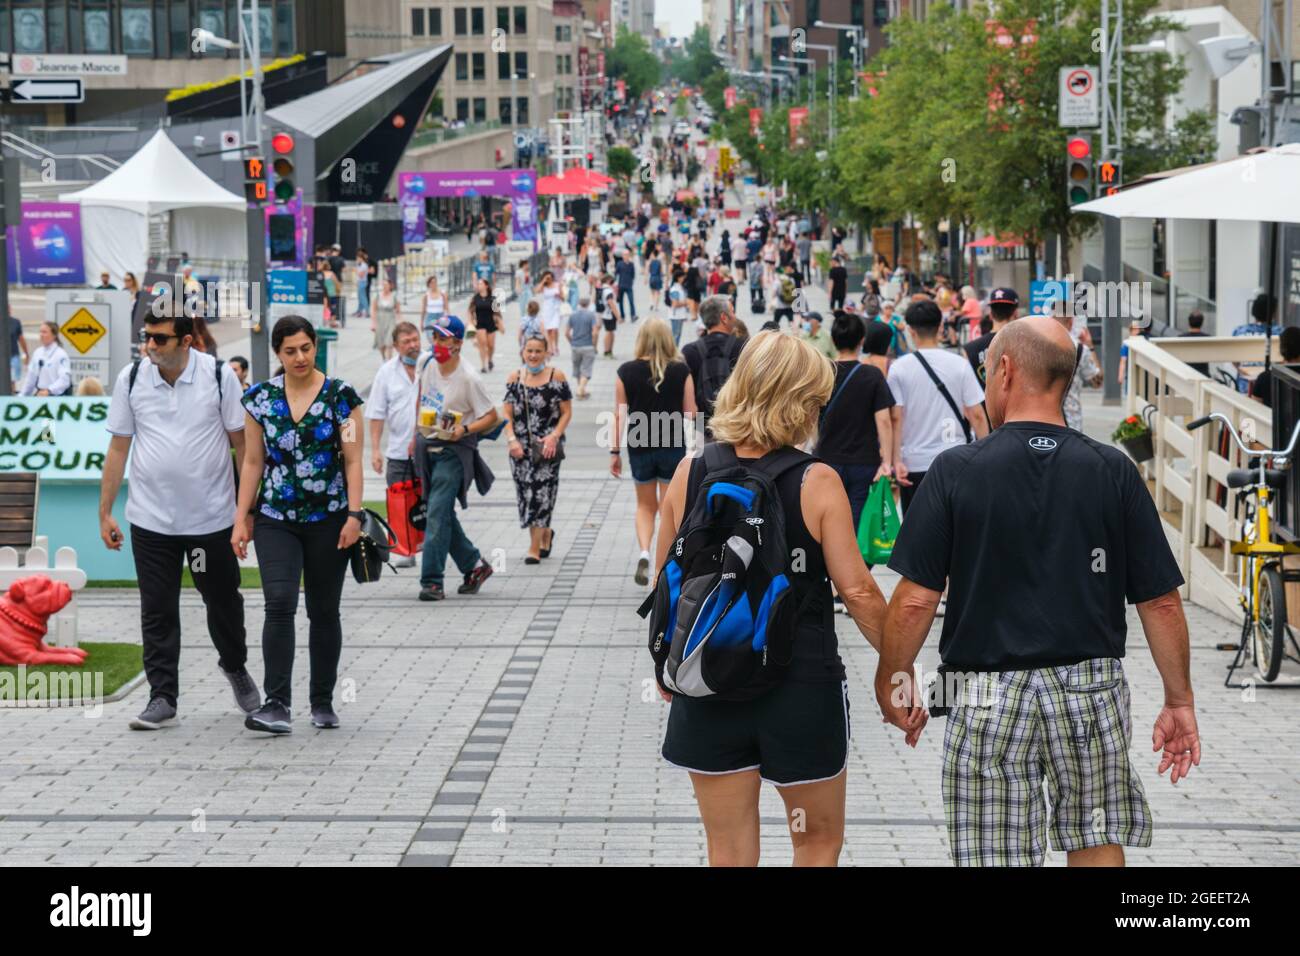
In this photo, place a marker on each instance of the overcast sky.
(679, 15)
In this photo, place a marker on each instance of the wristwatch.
(359, 515)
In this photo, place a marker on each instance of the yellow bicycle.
(1260, 576)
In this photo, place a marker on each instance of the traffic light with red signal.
(1078, 169)
(283, 166)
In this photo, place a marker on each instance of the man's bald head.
(1041, 352)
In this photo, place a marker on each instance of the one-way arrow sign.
(36, 89)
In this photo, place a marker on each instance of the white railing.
(1188, 471)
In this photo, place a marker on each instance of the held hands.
(349, 534)
(902, 703)
(1175, 733)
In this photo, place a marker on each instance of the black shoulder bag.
(943, 390)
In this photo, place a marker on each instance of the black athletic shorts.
(796, 733)
(610, 324)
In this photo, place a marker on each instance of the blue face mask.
(534, 369)
(408, 359)
(807, 327)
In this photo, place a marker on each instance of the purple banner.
(519, 186)
(49, 244)
(11, 253)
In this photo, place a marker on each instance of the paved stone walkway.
(520, 726)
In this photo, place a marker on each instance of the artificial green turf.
(117, 662)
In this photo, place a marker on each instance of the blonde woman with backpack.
(795, 733)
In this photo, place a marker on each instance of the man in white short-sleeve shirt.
(930, 422)
(392, 407)
(177, 421)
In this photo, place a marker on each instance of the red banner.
(798, 116)
(620, 90)
(729, 97)
(755, 119)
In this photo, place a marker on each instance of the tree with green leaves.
(631, 60)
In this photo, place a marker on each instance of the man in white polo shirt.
(177, 415)
(392, 403)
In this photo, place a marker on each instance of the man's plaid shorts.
(1012, 731)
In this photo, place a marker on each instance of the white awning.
(1260, 187)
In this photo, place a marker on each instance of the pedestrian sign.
(83, 330)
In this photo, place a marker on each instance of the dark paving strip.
(435, 823)
(505, 701)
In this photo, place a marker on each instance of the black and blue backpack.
(723, 613)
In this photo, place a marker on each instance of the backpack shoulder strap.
(221, 397)
(943, 390)
(130, 379)
(776, 463)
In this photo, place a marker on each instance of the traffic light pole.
(259, 336)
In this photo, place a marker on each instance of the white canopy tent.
(1260, 187)
(207, 220)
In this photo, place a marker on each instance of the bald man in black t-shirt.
(1040, 535)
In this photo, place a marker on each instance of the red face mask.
(442, 354)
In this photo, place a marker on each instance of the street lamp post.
(859, 41)
(252, 109)
(830, 51)
(812, 75)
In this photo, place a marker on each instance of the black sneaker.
(433, 592)
(323, 716)
(474, 580)
(157, 715)
(247, 696)
(272, 718)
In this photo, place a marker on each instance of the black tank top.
(816, 655)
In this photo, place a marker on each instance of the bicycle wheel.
(1270, 630)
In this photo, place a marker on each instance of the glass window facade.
(155, 29)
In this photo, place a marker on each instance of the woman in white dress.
(548, 292)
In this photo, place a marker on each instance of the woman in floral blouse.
(302, 481)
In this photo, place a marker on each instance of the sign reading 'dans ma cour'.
(61, 439)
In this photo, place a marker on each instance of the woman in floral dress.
(302, 480)
(538, 408)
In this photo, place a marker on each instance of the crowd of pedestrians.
(972, 420)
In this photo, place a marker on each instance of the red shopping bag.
(403, 496)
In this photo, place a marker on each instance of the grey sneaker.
(247, 697)
(272, 718)
(642, 576)
(157, 715)
(323, 717)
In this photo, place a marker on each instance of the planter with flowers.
(1135, 433)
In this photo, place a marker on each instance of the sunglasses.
(159, 338)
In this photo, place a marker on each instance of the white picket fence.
(62, 626)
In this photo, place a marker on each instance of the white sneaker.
(404, 561)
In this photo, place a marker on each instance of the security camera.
(1225, 54)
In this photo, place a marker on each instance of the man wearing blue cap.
(452, 410)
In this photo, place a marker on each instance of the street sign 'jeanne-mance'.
(36, 89)
(46, 65)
